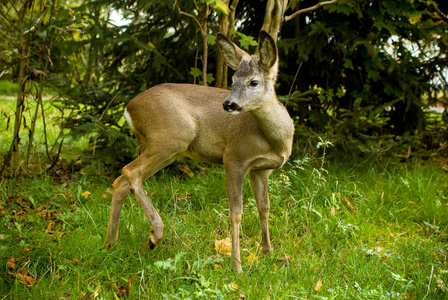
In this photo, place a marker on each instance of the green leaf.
(340, 8)
(318, 28)
(57, 4)
(195, 72)
(330, 95)
(374, 75)
(348, 63)
(219, 6)
(341, 92)
(211, 39)
(357, 104)
(210, 78)
(46, 15)
(245, 41)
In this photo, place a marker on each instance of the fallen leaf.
(333, 211)
(20, 212)
(104, 196)
(285, 258)
(318, 285)
(224, 246)
(123, 290)
(48, 215)
(185, 169)
(50, 226)
(252, 258)
(349, 205)
(11, 263)
(184, 196)
(23, 277)
(13, 199)
(234, 285)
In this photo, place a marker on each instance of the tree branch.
(299, 12)
(188, 15)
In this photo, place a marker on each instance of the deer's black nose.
(230, 106)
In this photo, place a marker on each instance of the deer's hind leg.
(121, 189)
(150, 161)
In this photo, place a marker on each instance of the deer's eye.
(253, 83)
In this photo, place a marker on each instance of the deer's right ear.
(231, 53)
(268, 50)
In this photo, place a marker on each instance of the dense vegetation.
(361, 72)
(359, 211)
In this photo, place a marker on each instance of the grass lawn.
(345, 231)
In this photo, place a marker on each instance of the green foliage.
(156, 47)
(245, 41)
(360, 71)
(195, 72)
(219, 6)
(375, 61)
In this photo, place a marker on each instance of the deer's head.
(255, 75)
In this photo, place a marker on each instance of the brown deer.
(253, 133)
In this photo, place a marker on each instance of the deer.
(246, 129)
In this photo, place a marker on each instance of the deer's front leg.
(234, 181)
(259, 184)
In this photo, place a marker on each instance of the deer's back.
(193, 114)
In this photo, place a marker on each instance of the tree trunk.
(206, 12)
(220, 64)
(273, 17)
(226, 24)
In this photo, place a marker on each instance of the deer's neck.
(276, 125)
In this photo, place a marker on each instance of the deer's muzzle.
(231, 107)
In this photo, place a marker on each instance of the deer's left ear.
(231, 53)
(267, 50)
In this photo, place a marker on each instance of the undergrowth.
(338, 231)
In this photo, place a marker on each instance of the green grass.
(391, 243)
